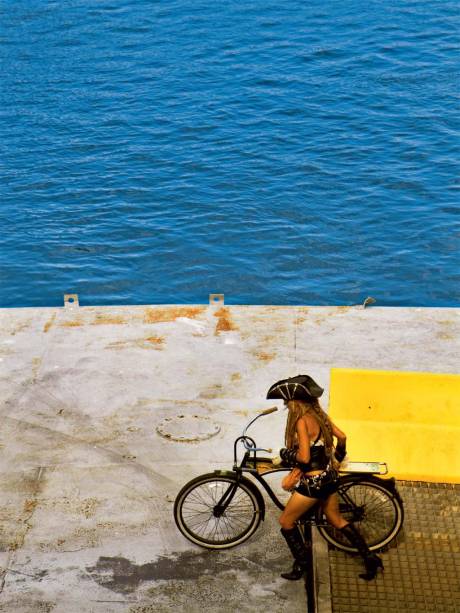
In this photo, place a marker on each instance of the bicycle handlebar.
(250, 448)
(246, 440)
(268, 411)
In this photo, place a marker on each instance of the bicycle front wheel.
(197, 515)
(375, 509)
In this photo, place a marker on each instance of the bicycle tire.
(377, 511)
(194, 512)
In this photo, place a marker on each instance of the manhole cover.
(187, 428)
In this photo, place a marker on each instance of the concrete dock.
(93, 447)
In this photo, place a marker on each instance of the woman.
(310, 450)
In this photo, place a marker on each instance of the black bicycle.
(224, 508)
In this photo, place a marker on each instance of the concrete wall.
(410, 420)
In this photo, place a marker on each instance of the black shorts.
(318, 486)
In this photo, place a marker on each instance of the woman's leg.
(296, 507)
(331, 510)
(371, 561)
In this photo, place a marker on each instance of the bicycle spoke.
(201, 527)
(199, 497)
(376, 506)
(227, 524)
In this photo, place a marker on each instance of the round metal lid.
(187, 428)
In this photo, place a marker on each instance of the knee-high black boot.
(297, 546)
(371, 561)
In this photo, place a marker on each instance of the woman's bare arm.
(341, 447)
(340, 436)
(303, 453)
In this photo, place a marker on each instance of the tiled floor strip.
(422, 569)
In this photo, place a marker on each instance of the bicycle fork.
(225, 500)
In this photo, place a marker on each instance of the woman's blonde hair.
(298, 408)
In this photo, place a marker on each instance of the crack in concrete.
(114, 455)
(38, 576)
(3, 572)
(29, 506)
(118, 601)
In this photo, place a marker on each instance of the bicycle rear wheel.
(374, 508)
(197, 517)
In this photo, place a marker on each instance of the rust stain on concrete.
(32, 484)
(320, 316)
(224, 321)
(21, 327)
(264, 357)
(29, 505)
(447, 332)
(36, 363)
(243, 412)
(154, 315)
(319, 319)
(302, 316)
(151, 342)
(119, 345)
(101, 319)
(71, 323)
(49, 323)
(213, 391)
(85, 506)
(156, 341)
(236, 376)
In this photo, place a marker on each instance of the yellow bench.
(410, 420)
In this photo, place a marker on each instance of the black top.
(318, 457)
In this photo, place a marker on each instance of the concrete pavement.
(88, 472)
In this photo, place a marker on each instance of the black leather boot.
(297, 546)
(371, 561)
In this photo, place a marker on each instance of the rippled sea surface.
(285, 153)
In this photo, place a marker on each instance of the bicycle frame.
(244, 467)
(250, 457)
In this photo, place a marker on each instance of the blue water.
(287, 153)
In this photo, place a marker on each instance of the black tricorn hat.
(301, 387)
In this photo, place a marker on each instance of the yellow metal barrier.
(410, 420)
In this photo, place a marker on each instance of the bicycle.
(224, 508)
